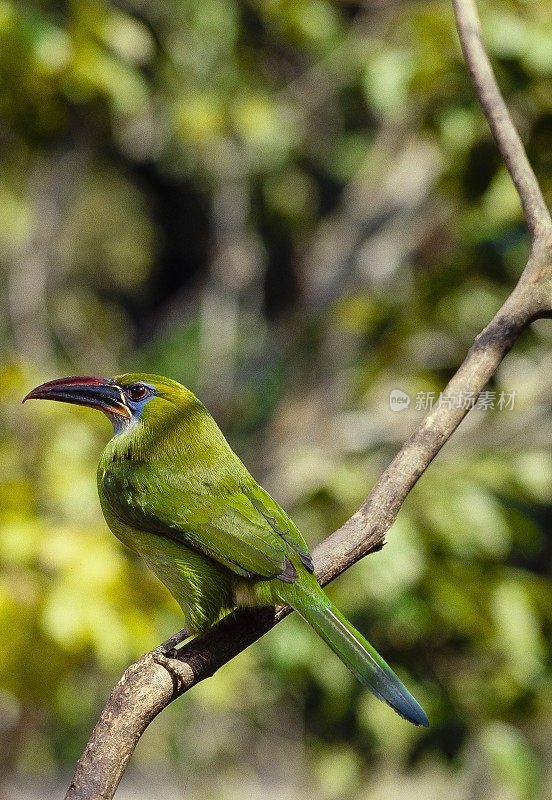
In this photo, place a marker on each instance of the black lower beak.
(100, 393)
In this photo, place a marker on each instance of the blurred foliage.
(294, 207)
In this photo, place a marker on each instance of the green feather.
(362, 659)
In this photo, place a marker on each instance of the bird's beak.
(100, 393)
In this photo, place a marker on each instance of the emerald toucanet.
(173, 490)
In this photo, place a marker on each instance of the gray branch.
(156, 679)
(507, 138)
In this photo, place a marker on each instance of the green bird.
(172, 489)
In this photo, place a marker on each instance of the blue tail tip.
(416, 715)
(422, 719)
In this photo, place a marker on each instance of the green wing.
(279, 521)
(240, 526)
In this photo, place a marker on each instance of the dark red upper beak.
(100, 393)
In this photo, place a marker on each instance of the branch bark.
(156, 680)
(498, 117)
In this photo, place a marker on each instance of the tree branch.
(499, 119)
(156, 680)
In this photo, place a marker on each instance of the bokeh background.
(294, 207)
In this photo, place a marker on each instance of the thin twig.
(499, 119)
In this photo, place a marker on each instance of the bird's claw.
(180, 672)
(169, 652)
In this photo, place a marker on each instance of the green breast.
(203, 588)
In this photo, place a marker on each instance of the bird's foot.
(169, 648)
(180, 672)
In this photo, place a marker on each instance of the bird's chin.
(120, 423)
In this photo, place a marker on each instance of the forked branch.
(154, 681)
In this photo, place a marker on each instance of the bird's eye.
(137, 391)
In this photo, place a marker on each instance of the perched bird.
(173, 490)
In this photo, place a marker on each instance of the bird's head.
(125, 399)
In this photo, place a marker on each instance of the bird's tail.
(361, 658)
